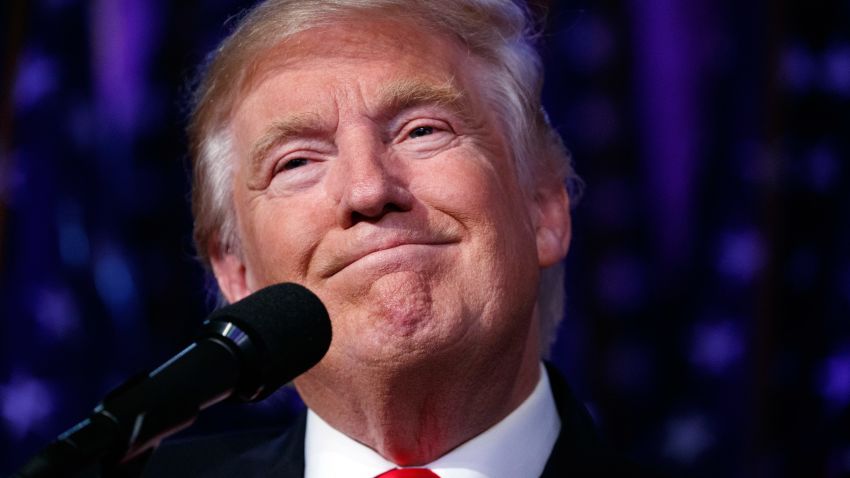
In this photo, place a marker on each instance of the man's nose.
(368, 182)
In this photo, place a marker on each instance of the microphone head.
(288, 331)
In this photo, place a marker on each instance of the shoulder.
(580, 450)
(260, 452)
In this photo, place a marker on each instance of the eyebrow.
(281, 131)
(396, 97)
(409, 93)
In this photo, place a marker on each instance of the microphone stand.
(128, 425)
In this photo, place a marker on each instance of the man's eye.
(421, 131)
(294, 163)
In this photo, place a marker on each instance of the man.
(392, 156)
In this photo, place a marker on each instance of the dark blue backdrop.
(708, 317)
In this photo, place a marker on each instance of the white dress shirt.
(517, 446)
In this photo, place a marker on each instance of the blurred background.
(708, 315)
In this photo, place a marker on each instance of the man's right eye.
(294, 163)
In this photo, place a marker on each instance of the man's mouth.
(383, 248)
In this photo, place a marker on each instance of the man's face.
(372, 172)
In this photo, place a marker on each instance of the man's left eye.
(421, 131)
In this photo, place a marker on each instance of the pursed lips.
(378, 242)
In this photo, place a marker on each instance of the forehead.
(370, 55)
(362, 38)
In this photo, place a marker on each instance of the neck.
(412, 416)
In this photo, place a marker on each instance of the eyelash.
(290, 164)
(427, 130)
(293, 163)
(430, 127)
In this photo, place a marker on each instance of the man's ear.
(230, 272)
(553, 227)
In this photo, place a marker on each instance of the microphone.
(246, 350)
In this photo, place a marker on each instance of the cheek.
(487, 202)
(279, 241)
(463, 179)
(477, 191)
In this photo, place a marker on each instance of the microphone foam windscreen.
(288, 326)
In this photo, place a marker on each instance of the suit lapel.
(578, 448)
(290, 450)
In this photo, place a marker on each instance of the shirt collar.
(496, 453)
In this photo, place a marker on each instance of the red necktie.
(409, 473)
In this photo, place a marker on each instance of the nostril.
(357, 216)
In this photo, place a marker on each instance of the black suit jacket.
(578, 451)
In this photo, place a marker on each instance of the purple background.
(708, 316)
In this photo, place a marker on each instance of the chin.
(399, 344)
